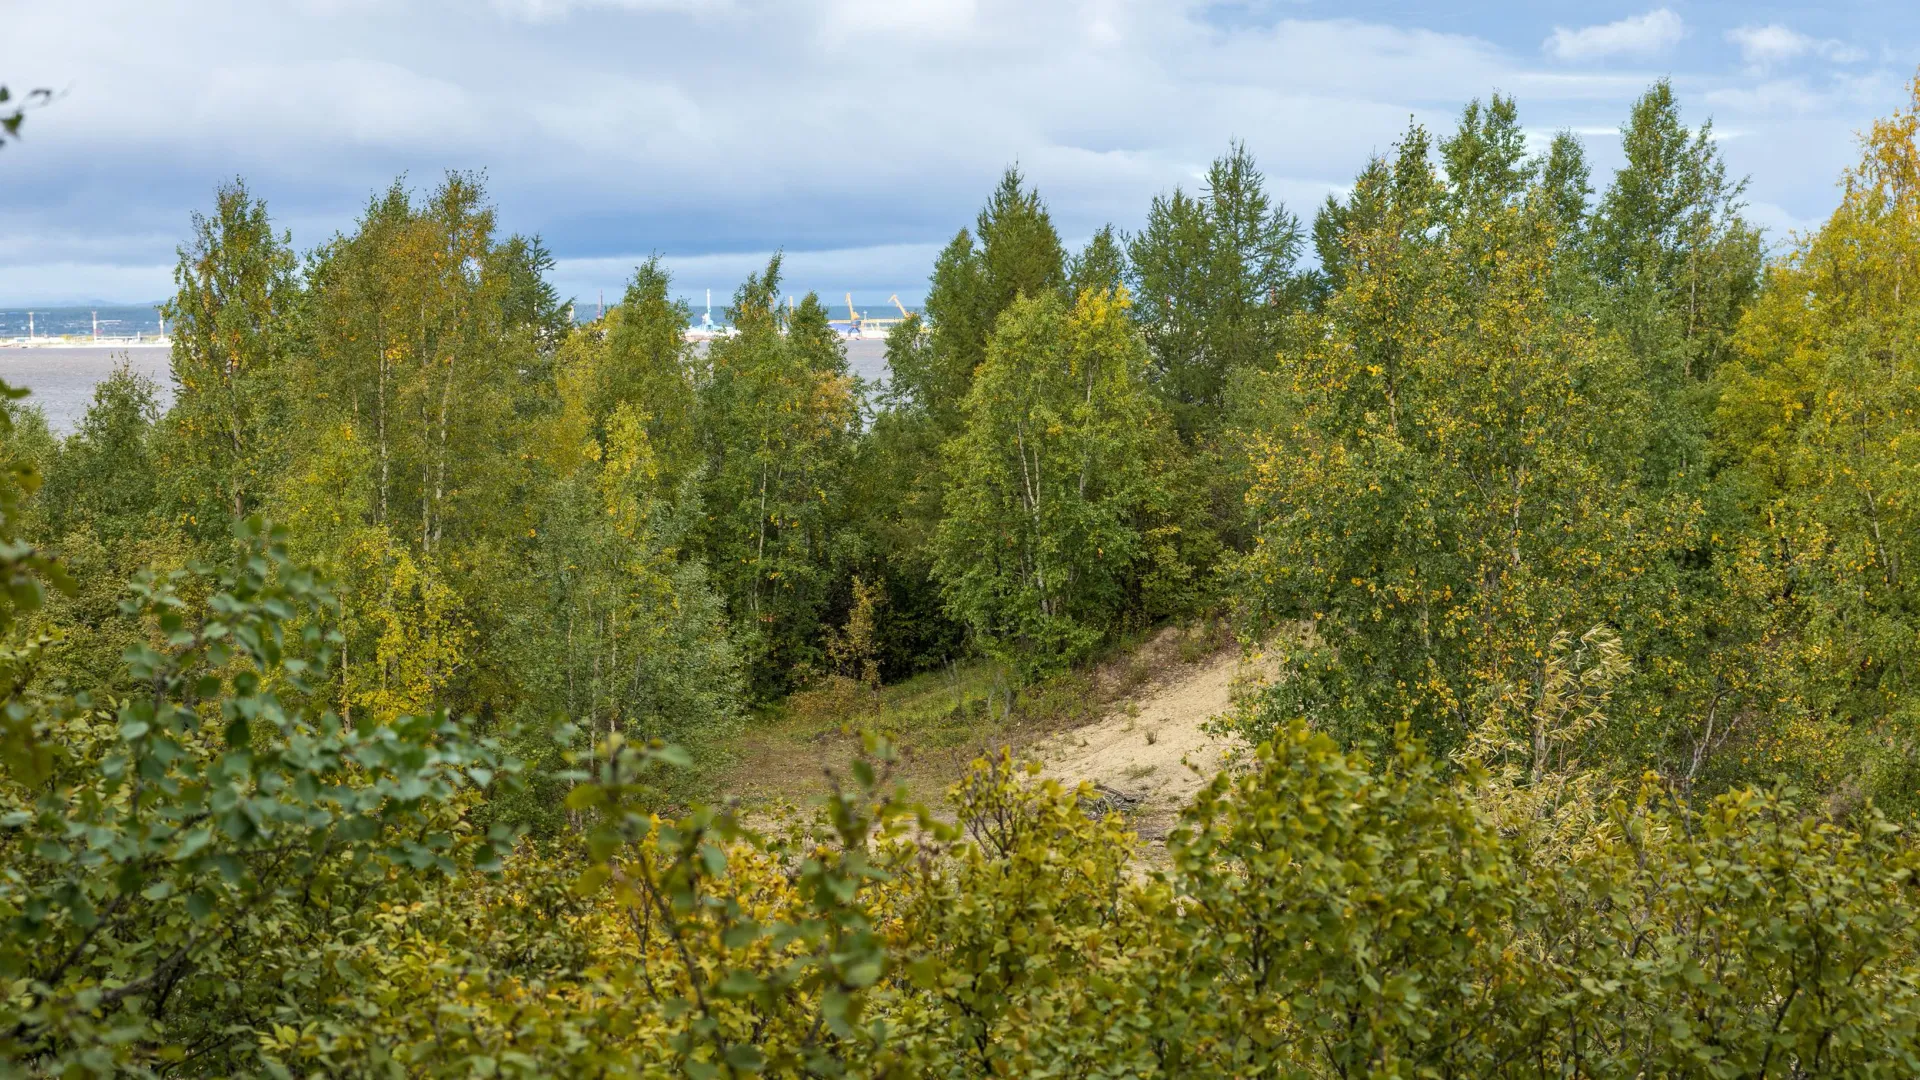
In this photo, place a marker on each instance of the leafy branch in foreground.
(13, 109)
(189, 852)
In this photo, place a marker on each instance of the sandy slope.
(1152, 747)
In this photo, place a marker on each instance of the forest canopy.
(366, 703)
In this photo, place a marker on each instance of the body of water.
(868, 358)
(115, 320)
(62, 380)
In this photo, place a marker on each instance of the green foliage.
(105, 480)
(897, 490)
(777, 415)
(529, 303)
(646, 363)
(1452, 487)
(1378, 920)
(624, 634)
(407, 344)
(1675, 265)
(1018, 254)
(1317, 915)
(26, 571)
(102, 509)
(1100, 267)
(13, 109)
(186, 857)
(230, 316)
(1058, 481)
(1214, 283)
(1583, 552)
(1816, 424)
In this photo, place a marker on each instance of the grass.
(941, 720)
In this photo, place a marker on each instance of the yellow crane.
(895, 301)
(853, 317)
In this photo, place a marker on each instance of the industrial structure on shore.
(857, 325)
(96, 339)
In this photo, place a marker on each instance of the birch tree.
(1053, 478)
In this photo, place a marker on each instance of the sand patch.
(1153, 749)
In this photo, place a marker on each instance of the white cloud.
(831, 272)
(860, 134)
(1776, 97)
(1637, 35)
(549, 10)
(1764, 46)
(1865, 95)
(893, 18)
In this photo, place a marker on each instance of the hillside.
(1135, 726)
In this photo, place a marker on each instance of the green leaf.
(192, 843)
(673, 755)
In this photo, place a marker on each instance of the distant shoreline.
(87, 343)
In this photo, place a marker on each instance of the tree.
(180, 854)
(528, 301)
(409, 340)
(1565, 175)
(1052, 478)
(232, 316)
(622, 632)
(1485, 161)
(1101, 266)
(1018, 254)
(105, 480)
(1452, 485)
(1676, 264)
(1215, 283)
(648, 366)
(416, 397)
(899, 471)
(101, 509)
(895, 487)
(777, 414)
(1816, 426)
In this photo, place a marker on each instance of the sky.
(855, 135)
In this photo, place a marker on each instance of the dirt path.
(1153, 748)
(1135, 727)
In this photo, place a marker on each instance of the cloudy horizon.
(856, 135)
